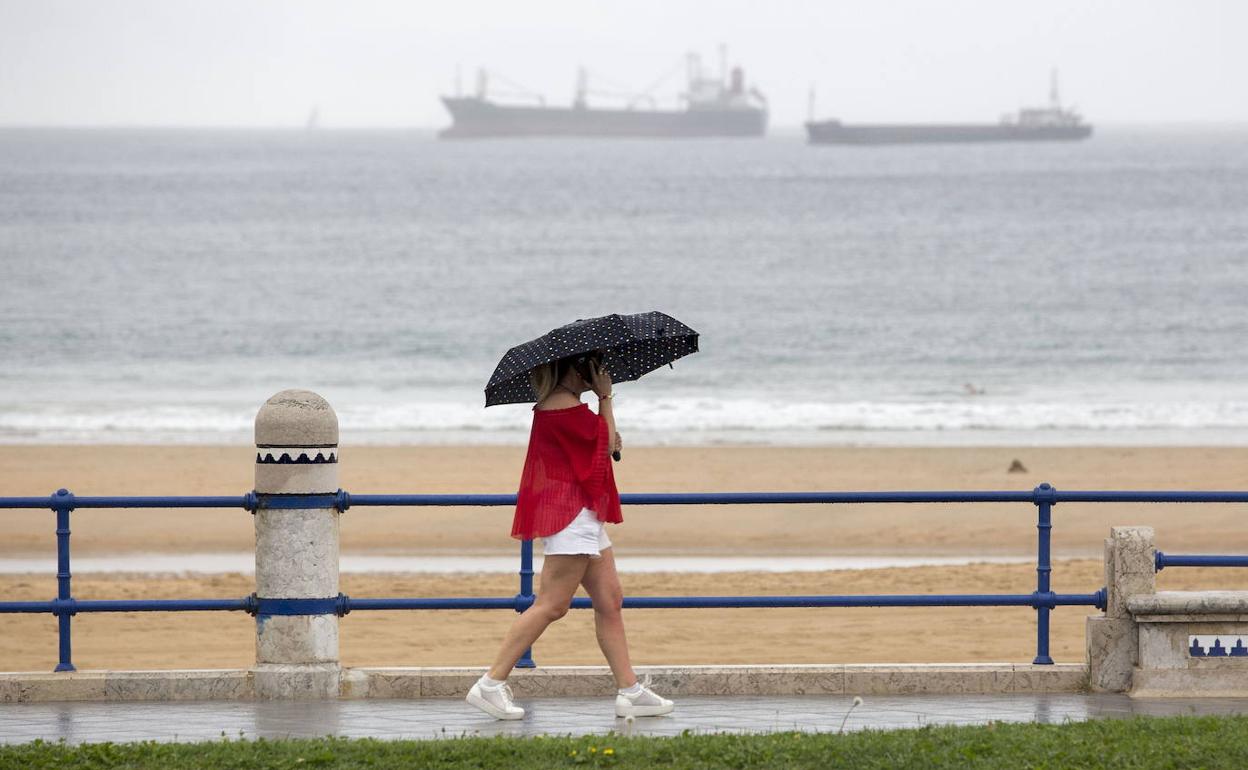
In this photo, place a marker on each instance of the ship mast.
(1054, 101)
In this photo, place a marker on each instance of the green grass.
(1171, 742)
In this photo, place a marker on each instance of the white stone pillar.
(1113, 638)
(296, 548)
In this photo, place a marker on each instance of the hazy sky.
(258, 63)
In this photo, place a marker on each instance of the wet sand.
(207, 640)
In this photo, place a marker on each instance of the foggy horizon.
(144, 64)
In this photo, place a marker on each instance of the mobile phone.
(582, 366)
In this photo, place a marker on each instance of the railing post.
(1044, 496)
(524, 599)
(1113, 638)
(63, 503)
(297, 516)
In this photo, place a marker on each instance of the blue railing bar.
(713, 498)
(432, 500)
(236, 501)
(74, 606)
(248, 501)
(511, 603)
(1163, 560)
(1151, 497)
(461, 603)
(748, 498)
(885, 600)
(775, 498)
(25, 502)
(690, 602)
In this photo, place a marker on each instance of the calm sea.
(157, 286)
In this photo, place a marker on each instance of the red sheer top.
(567, 469)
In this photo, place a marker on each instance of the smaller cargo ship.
(710, 107)
(1034, 124)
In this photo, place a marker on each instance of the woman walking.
(567, 494)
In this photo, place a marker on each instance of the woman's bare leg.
(560, 577)
(602, 583)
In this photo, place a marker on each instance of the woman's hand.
(617, 444)
(600, 380)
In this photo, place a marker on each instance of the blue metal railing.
(1163, 560)
(1043, 600)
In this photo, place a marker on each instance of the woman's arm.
(602, 388)
(608, 413)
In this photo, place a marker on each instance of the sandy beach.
(657, 636)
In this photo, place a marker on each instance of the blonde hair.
(544, 379)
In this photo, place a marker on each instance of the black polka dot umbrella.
(632, 344)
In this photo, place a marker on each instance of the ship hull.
(834, 132)
(480, 119)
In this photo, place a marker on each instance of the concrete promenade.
(91, 722)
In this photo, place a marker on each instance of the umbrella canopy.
(632, 345)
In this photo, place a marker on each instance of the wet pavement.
(436, 718)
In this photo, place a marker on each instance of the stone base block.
(676, 681)
(296, 682)
(207, 684)
(1112, 645)
(67, 685)
(915, 680)
(320, 681)
(971, 679)
(1212, 682)
(1059, 677)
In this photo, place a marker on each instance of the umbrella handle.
(615, 455)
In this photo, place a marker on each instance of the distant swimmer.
(971, 390)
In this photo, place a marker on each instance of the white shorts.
(585, 536)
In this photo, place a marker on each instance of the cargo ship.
(709, 107)
(1035, 124)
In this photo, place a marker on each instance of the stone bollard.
(296, 548)
(1113, 638)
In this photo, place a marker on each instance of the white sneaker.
(495, 701)
(646, 703)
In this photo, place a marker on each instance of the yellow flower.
(572, 753)
(593, 750)
(608, 751)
